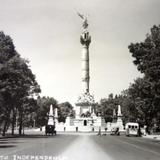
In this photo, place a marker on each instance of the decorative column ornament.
(51, 117)
(56, 116)
(119, 119)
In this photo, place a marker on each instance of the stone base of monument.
(82, 129)
(82, 125)
(69, 121)
(87, 129)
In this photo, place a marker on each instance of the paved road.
(36, 147)
(79, 147)
(129, 148)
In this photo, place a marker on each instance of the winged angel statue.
(85, 21)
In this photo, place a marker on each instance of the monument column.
(85, 41)
(85, 100)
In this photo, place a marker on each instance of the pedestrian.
(145, 130)
(139, 132)
(76, 129)
(99, 132)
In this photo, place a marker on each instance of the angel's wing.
(80, 15)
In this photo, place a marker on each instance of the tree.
(65, 109)
(127, 106)
(44, 103)
(147, 55)
(106, 107)
(7, 52)
(144, 101)
(147, 60)
(17, 83)
(7, 49)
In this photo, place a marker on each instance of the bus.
(132, 129)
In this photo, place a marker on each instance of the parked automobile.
(50, 129)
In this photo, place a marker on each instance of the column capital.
(85, 39)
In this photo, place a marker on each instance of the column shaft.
(85, 69)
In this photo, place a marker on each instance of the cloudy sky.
(47, 33)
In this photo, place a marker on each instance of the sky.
(47, 32)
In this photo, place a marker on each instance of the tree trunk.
(20, 123)
(13, 121)
(6, 123)
(148, 124)
(4, 128)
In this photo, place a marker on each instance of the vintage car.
(115, 131)
(132, 129)
(50, 130)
